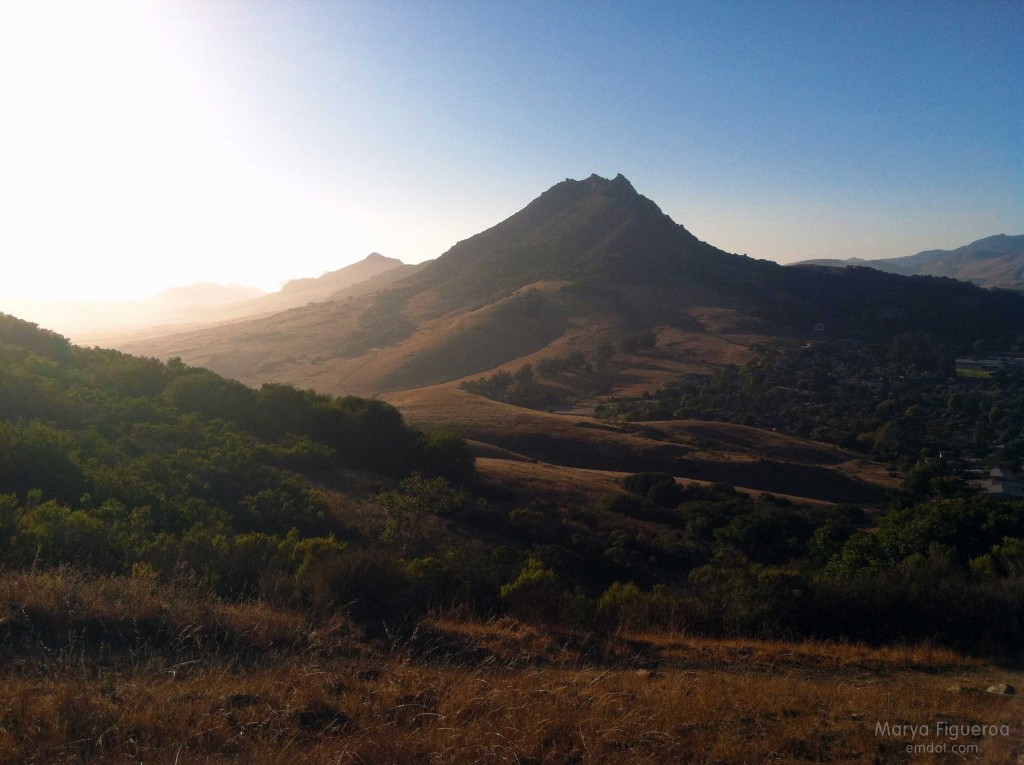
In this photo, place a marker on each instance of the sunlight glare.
(118, 176)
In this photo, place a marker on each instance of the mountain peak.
(593, 192)
(597, 231)
(597, 184)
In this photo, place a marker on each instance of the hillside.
(112, 461)
(996, 261)
(585, 264)
(552, 447)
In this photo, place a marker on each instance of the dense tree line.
(949, 571)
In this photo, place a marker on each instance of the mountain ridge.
(994, 261)
(314, 289)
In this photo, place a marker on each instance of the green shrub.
(536, 595)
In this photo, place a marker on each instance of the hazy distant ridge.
(996, 261)
(203, 304)
(313, 290)
(207, 293)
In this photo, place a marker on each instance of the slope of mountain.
(65, 435)
(996, 261)
(586, 263)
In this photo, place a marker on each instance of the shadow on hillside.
(779, 477)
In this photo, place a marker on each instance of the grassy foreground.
(115, 669)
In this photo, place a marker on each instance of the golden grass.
(305, 710)
(462, 692)
(66, 610)
(577, 487)
(751, 459)
(509, 638)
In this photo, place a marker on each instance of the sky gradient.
(149, 144)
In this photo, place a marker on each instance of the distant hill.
(207, 293)
(113, 323)
(996, 261)
(587, 263)
(322, 287)
(334, 285)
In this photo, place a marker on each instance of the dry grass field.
(122, 670)
(750, 459)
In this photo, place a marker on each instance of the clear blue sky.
(168, 142)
